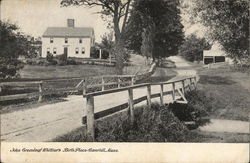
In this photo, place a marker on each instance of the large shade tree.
(227, 22)
(12, 45)
(164, 15)
(118, 11)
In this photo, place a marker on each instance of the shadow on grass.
(218, 80)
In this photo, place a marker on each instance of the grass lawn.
(228, 97)
(44, 72)
(229, 90)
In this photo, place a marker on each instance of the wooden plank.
(18, 96)
(155, 95)
(115, 90)
(19, 83)
(113, 110)
(149, 96)
(40, 98)
(119, 82)
(161, 94)
(181, 102)
(56, 91)
(103, 82)
(131, 105)
(90, 119)
(173, 93)
(182, 95)
(183, 86)
(106, 84)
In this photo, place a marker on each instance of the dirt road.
(49, 121)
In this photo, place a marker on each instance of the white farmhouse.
(74, 41)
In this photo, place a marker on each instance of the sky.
(34, 16)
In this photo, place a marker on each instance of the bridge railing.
(186, 83)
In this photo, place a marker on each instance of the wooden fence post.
(161, 94)
(90, 119)
(119, 82)
(84, 87)
(195, 82)
(183, 86)
(149, 95)
(103, 82)
(190, 84)
(131, 105)
(40, 98)
(132, 80)
(173, 93)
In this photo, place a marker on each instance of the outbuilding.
(215, 55)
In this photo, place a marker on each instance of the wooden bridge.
(179, 87)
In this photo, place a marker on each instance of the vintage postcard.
(124, 80)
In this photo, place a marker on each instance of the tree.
(107, 43)
(118, 10)
(12, 45)
(228, 23)
(165, 15)
(147, 41)
(192, 48)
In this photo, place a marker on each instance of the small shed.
(214, 55)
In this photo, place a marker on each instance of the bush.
(9, 67)
(94, 52)
(71, 62)
(198, 106)
(156, 124)
(49, 57)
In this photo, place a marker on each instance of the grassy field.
(45, 72)
(227, 95)
(230, 91)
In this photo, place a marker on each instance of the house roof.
(69, 32)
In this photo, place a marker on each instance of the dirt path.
(46, 122)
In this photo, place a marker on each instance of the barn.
(70, 40)
(215, 55)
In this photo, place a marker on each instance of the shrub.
(156, 124)
(49, 57)
(71, 62)
(94, 52)
(198, 106)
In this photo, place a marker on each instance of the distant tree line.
(192, 48)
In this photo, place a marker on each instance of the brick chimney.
(71, 23)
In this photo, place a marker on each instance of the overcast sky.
(34, 16)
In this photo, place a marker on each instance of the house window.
(48, 50)
(51, 40)
(77, 50)
(80, 40)
(83, 50)
(54, 50)
(66, 40)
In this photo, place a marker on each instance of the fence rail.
(90, 118)
(92, 84)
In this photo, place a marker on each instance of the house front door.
(65, 51)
